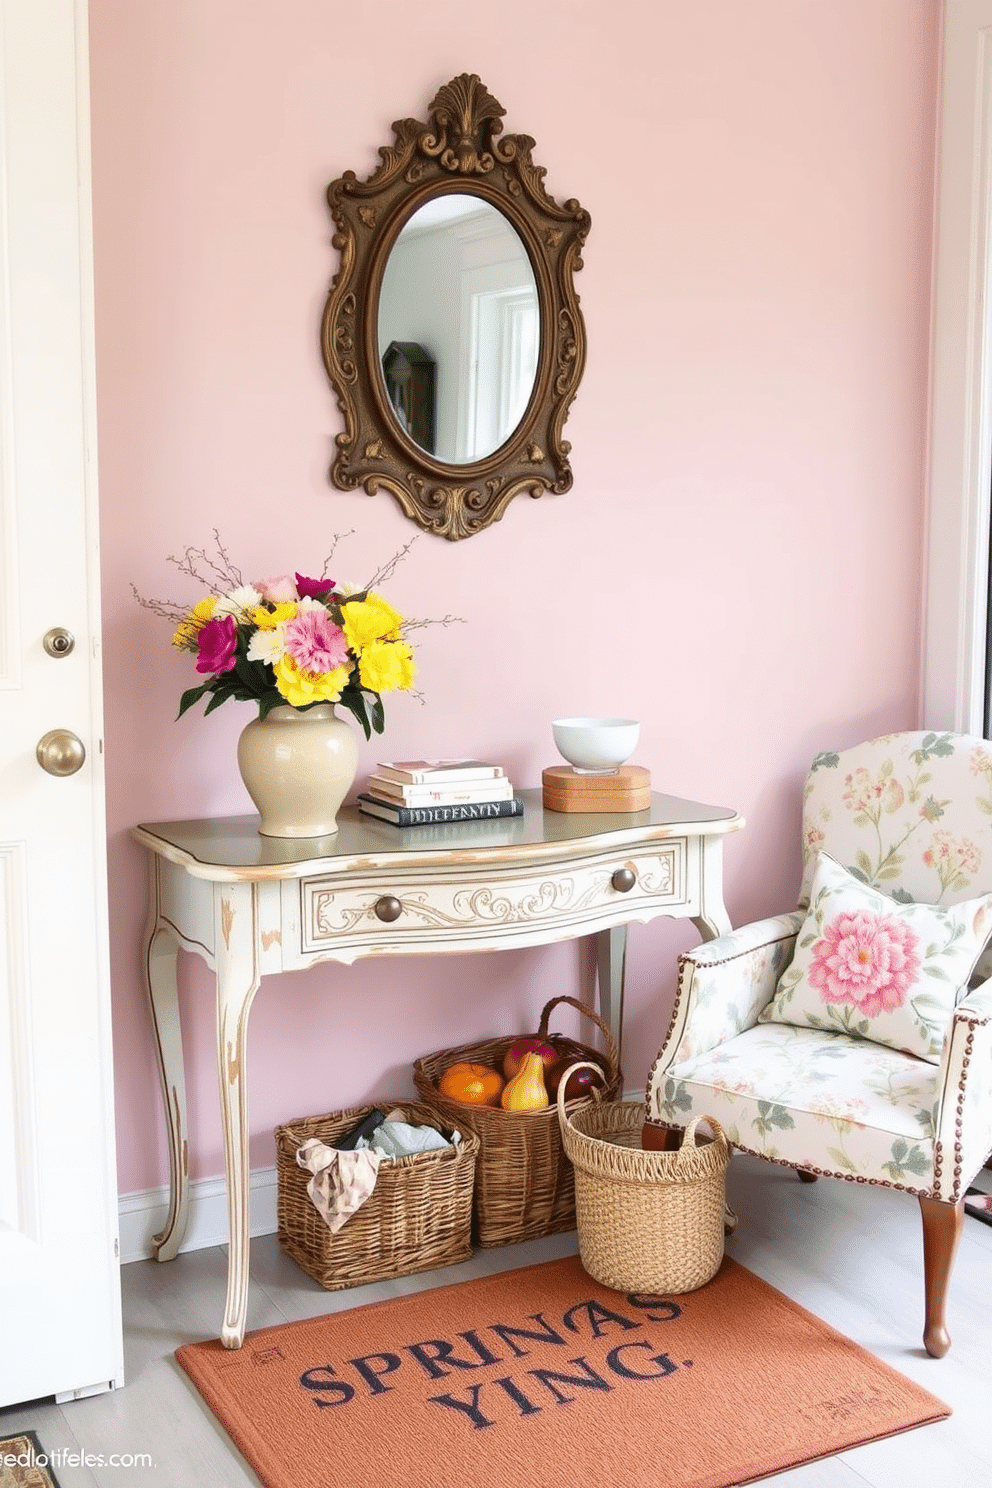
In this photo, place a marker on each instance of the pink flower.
(866, 959)
(217, 641)
(315, 643)
(315, 588)
(278, 590)
(862, 793)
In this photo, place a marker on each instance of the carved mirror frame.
(457, 151)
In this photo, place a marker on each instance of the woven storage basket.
(524, 1185)
(647, 1221)
(418, 1216)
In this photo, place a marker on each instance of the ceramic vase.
(298, 765)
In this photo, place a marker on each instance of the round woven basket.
(523, 1181)
(647, 1221)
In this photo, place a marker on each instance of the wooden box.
(566, 790)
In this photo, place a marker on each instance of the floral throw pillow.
(879, 970)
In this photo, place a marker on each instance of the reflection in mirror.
(459, 287)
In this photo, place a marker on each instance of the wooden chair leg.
(657, 1138)
(942, 1225)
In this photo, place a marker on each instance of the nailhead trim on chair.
(688, 959)
(783, 1162)
(938, 1149)
(959, 1120)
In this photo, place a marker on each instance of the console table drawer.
(475, 906)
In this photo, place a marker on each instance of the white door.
(60, 1327)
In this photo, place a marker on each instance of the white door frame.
(957, 563)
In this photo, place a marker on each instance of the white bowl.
(596, 746)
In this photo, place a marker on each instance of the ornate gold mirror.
(452, 333)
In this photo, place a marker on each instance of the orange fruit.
(475, 1084)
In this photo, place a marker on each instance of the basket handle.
(689, 1134)
(730, 1220)
(611, 1047)
(594, 1094)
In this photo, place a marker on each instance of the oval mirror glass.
(459, 328)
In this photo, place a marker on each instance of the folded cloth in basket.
(342, 1181)
(396, 1138)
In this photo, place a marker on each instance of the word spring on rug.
(553, 1380)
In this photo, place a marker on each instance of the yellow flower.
(367, 620)
(188, 629)
(269, 619)
(299, 687)
(385, 665)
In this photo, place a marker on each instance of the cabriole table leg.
(161, 952)
(238, 977)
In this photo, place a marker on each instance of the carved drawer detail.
(384, 911)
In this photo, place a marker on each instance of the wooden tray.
(565, 790)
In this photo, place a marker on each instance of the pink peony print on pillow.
(876, 969)
(869, 959)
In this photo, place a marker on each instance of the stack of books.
(420, 793)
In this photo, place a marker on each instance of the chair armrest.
(976, 1006)
(963, 1119)
(723, 986)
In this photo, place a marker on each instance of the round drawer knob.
(388, 908)
(623, 880)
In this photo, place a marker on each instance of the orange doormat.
(542, 1378)
(23, 1463)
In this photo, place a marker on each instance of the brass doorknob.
(623, 880)
(60, 752)
(58, 642)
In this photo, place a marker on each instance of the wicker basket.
(524, 1185)
(647, 1221)
(418, 1216)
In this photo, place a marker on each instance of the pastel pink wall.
(738, 563)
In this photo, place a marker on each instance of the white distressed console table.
(251, 906)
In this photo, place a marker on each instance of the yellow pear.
(527, 1090)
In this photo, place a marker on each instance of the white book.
(420, 772)
(494, 789)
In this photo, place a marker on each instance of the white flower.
(239, 603)
(267, 645)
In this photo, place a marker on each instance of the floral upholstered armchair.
(852, 1038)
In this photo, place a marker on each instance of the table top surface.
(233, 848)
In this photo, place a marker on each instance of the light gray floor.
(848, 1253)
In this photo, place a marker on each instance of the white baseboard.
(142, 1215)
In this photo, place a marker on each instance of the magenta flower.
(218, 644)
(313, 588)
(315, 643)
(866, 959)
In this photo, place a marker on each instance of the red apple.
(514, 1056)
(579, 1084)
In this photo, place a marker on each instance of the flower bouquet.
(289, 640)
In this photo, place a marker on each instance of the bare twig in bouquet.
(382, 575)
(338, 536)
(224, 574)
(169, 609)
(442, 620)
